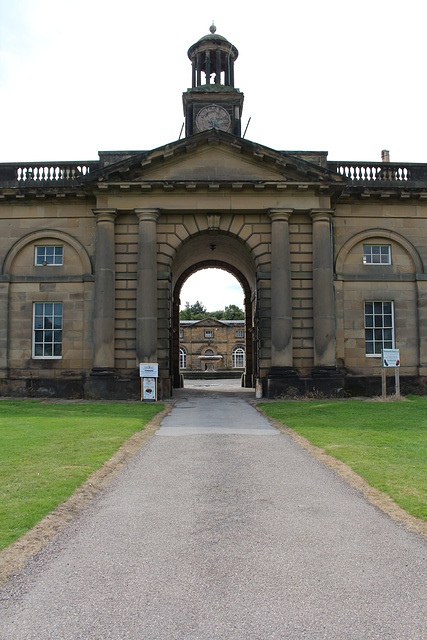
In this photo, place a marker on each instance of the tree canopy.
(198, 311)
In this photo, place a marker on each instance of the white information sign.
(149, 389)
(148, 370)
(391, 358)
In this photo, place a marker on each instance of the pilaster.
(4, 327)
(323, 290)
(146, 304)
(281, 292)
(104, 297)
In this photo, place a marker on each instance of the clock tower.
(213, 102)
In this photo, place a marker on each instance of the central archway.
(232, 256)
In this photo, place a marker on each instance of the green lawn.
(384, 442)
(48, 450)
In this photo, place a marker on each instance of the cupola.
(212, 102)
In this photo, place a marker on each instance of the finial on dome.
(212, 28)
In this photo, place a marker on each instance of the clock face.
(213, 117)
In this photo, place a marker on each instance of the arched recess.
(387, 234)
(47, 234)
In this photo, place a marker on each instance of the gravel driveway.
(221, 528)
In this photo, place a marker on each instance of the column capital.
(279, 215)
(105, 215)
(321, 215)
(148, 214)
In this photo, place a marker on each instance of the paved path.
(216, 535)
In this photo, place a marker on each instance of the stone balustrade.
(380, 172)
(22, 174)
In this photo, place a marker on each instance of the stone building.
(331, 256)
(212, 345)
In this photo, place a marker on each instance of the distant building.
(331, 257)
(212, 345)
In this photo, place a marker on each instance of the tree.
(196, 311)
(232, 312)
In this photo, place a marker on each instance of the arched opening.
(212, 324)
(241, 356)
(215, 250)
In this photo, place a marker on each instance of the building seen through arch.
(330, 255)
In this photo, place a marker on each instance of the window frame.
(375, 326)
(182, 358)
(45, 262)
(372, 263)
(57, 331)
(209, 333)
(238, 352)
(240, 333)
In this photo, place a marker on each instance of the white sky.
(79, 76)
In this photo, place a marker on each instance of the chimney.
(385, 155)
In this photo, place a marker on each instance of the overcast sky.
(80, 76)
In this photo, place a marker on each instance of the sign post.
(390, 358)
(148, 372)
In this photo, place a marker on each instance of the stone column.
(146, 304)
(281, 292)
(4, 326)
(104, 302)
(323, 290)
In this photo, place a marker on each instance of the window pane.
(387, 307)
(48, 350)
(369, 306)
(38, 349)
(388, 321)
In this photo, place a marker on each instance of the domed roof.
(211, 41)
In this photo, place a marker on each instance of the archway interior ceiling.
(214, 250)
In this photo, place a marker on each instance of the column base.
(327, 380)
(103, 372)
(280, 380)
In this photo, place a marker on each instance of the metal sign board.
(148, 370)
(391, 358)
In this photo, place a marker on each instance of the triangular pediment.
(206, 322)
(213, 156)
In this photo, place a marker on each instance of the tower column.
(146, 301)
(103, 315)
(323, 290)
(281, 293)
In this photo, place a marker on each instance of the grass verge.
(47, 450)
(384, 442)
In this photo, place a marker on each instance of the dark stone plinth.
(109, 387)
(280, 380)
(71, 388)
(102, 372)
(327, 380)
